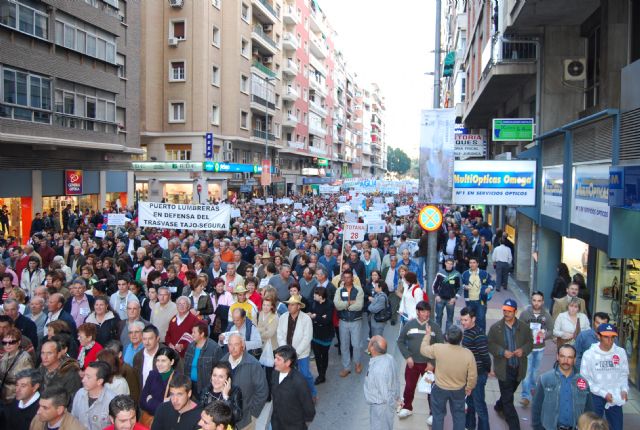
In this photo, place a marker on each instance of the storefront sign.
(624, 187)
(245, 188)
(190, 217)
(328, 189)
(552, 192)
(208, 146)
(590, 202)
(219, 167)
(469, 145)
(167, 166)
(494, 182)
(323, 162)
(73, 182)
(354, 232)
(116, 219)
(437, 147)
(511, 130)
(310, 171)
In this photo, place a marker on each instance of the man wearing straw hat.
(296, 329)
(240, 293)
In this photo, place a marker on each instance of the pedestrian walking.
(561, 395)
(456, 377)
(502, 260)
(510, 342)
(541, 325)
(409, 342)
(606, 369)
(446, 287)
(381, 387)
(478, 289)
(476, 341)
(348, 301)
(588, 337)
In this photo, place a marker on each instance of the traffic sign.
(509, 130)
(430, 218)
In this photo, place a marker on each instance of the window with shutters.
(178, 30)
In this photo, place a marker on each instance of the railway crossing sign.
(430, 218)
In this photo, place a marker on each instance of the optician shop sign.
(590, 200)
(493, 182)
(551, 205)
(72, 182)
(512, 129)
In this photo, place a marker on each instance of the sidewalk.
(494, 313)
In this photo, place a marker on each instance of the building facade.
(574, 67)
(263, 77)
(69, 105)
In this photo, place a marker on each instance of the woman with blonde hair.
(570, 323)
(13, 361)
(591, 421)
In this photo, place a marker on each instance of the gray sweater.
(381, 386)
(411, 337)
(545, 320)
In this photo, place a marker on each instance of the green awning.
(449, 63)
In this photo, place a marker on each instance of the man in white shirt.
(502, 260)
(143, 360)
(18, 414)
(163, 311)
(121, 298)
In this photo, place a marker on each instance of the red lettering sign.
(616, 359)
(581, 384)
(73, 182)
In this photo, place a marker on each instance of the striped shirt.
(476, 341)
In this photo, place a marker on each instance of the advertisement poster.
(437, 145)
(551, 204)
(190, 217)
(492, 182)
(590, 200)
(73, 182)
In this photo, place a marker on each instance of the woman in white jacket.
(567, 323)
(32, 276)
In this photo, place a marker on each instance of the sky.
(390, 43)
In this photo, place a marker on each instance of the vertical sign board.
(551, 204)
(265, 177)
(208, 147)
(72, 182)
(590, 200)
(437, 146)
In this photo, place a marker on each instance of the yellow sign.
(430, 218)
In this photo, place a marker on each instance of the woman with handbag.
(268, 328)
(321, 313)
(12, 362)
(570, 323)
(379, 309)
(156, 388)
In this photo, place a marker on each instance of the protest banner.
(116, 219)
(354, 232)
(403, 210)
(183, 216)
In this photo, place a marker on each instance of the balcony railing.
(317, 151)
(509, 50)
(295, 145)
(262, 135)
(260, 32)
(264, 69)
(268, 7)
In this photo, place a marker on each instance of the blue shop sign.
(218, 167)
(624, 187)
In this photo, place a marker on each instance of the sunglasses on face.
(9, 342)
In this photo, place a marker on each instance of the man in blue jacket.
(478, 290)
(561, 395)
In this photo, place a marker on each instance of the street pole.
(432, 237)
(266, 130)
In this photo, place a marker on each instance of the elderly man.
(25, 325)
(381, 387)
(282, 282)
(163, 311)
(327, 259)
(179, 332)
(295, 328)
(121, 298)
(134, 334)
(37, 314)
(243, 325)
(76, 260)
(249, 377)
(56, 312)
(133, 314)
(240, 293)
(80, 304)
(231, 278)
(248, 254)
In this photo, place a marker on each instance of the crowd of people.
(137, 328)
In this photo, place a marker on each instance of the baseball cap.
(607, 330)
(510, 305)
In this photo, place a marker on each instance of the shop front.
(15, 194)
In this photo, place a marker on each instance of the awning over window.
(449, 63)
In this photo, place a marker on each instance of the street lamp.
(266, 127)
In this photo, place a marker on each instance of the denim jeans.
(476, 405)
(481, 312)
(533, 364)
(303, 367)
(613, 414)
(440, 306)
(439, 400)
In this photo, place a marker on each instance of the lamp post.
(266, 127)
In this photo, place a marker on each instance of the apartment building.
(69, 105)
(261, 76)
(574, 67)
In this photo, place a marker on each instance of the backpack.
(424, 295)
(385, 314)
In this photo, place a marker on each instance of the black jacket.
(234, 401)
(293, 406)
(323, 322)
(27, 328)
(210, 355)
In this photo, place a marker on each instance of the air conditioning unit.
(176, 3)
(268, 60)
(237, 176)
(575, 69)
(226, 156)
(173, 41)
(227, 145)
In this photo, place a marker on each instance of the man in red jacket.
(122, 413)
(21, 261)
(179, 332)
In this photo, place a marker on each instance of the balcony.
(295, 145)
(265, 43)
(506, 65)
(315, 21)
(290, 67)
(366, 162)
(527, 14)
(317, 130)
(261, 134)
(264, 69)
(265, 11)
(290, 16)
(317, 108)
(319, 86)
(318, 47)
(289, 42)
(317, 150)
(366, 149)
(290, 121)
(317, 64)
(290, 94)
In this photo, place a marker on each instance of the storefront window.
(631, 315)
(13, 216)
(608, 287)
(575, 254)
(178, 193)
(142, 191)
